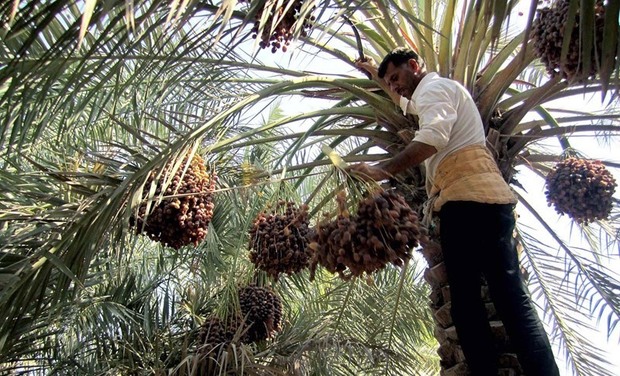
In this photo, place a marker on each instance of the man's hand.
(367, 172)
(368, 66)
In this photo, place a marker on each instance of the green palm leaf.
(94, 98)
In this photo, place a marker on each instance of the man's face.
(401, 79)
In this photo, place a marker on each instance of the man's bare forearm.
(414, 154)
(386, 88)
(371, 68)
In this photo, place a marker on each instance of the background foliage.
(94, 95)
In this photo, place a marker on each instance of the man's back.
(448, 117)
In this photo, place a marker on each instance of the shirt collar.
(430, 76)
(408, 105)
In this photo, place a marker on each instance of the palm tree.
(97, 95)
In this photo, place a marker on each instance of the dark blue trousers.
(477, 239)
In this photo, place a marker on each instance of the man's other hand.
(368, 66)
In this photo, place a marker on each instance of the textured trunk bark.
(452, 359)
(451, 356)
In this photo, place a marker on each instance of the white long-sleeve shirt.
(448, 118)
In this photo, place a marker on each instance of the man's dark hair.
(398, 56)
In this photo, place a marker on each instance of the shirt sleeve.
(436, 115)
(404, 105)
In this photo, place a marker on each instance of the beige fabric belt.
(470, 174)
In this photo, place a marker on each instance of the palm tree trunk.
(452, 359)
(451, 356)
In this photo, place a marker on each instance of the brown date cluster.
(581, 188)
(214, 338)
(285, 18)
(384, 230)
(214, 334)
(278, 240)
(184, 219)
(261, 311)
(259, 317)
(548, 33)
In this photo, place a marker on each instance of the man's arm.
(414, 154)
(371, 67)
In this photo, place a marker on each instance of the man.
(475, 207)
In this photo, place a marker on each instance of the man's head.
(402, 69)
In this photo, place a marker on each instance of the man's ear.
(413, 64)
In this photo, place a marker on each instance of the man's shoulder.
(433, 82)
(437, 80)
(439, 84)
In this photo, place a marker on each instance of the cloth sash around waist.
(470, 174)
